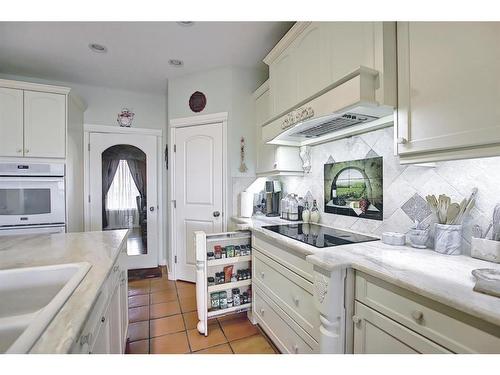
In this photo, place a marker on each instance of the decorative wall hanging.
(125, 118)
(243, 167)
(197, 101)
(355, 188)
(305, 155)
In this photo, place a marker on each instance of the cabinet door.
(448, 86)
(102, 343)
(351, 44)
(265, 153)
(283, 83)
(310, 56)
(124, 308)
(374, 333)
(11, 122)
(44, 124)
(115, 324)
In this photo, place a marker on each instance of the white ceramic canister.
(448, 239)
(246, 204)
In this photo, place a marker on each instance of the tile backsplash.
(405, 186)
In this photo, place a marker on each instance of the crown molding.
(285, 42)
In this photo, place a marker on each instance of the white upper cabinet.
(44, 124)
(448, 90)
(313, 56)
(11, 122)
(310, 56)
(33, 120)
(272, 159)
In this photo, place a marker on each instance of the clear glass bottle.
(314, 213)
(284, 207)
(301, 207)
(293, 208)
(306, 214)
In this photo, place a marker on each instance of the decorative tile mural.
(354, 188)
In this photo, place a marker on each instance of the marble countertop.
(100, 249)
(444, 278)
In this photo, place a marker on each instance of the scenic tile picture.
(355, 188)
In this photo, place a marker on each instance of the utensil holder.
(448, 239)
(418, 238)
(482, 248)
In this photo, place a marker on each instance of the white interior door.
(198, 190)
(99, 142)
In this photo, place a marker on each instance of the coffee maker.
(273, 198)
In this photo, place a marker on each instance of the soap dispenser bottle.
(314, 213)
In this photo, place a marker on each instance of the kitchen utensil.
(496, 223)
(465, 211)
(452, 213)
(485, 234)
(477, 232)
(433, 203)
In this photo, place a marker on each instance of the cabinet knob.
(103, 319)
(27, 151)
(356, 319)
(296, 300)
(296, 349)
(262, 311)
(262, 275)
(402, 140)
(417, 315)
(19, 150)
(85, 339)
(116, 268)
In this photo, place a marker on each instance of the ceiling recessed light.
(175, 62)
(99, 48)
(186, 23)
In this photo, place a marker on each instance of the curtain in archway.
(138, 171)
(109, 167)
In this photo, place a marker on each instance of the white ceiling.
(138, 52)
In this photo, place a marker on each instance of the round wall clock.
(197, 101)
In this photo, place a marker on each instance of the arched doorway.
(124, 195)
(123, 186)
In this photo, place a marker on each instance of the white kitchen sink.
(30, 298)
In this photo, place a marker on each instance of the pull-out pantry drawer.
(289, 291)
(286, 335)
(452, 329)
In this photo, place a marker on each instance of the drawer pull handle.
(116, 268)
(262, 311)
(356, 319)
(296, 349)
(262, 275)
(296, 300)
(417, 315)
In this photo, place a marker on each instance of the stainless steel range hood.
(345, 108)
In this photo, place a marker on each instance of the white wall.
(227, 89)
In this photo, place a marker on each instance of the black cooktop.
(317, 235)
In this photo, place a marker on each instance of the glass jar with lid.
(293, 208)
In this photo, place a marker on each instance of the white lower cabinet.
(283, 298)
(376, 334)
(105, 331)
(390, 319)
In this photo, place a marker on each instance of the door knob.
(216, 213)
(402, 140)
(152, 208)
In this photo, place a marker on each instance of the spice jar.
(223, 300)
(210, 281)
(229, 299)
(217, 251)
(224, 253)
(237, 251)
(244, 300)
(236, 296)
(230, 251)
(214, 298)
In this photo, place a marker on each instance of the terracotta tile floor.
(163, 318)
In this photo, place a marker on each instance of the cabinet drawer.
(291, 292)
(284, 334)
(290, 260)
(456, 331)
(374, 333)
